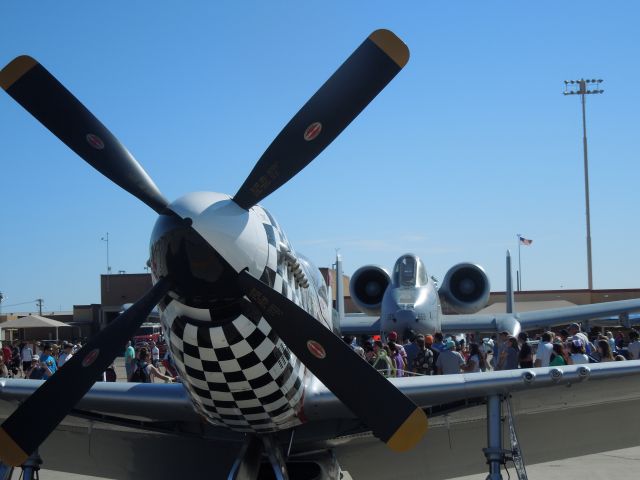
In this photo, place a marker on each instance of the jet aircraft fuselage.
(410, 302)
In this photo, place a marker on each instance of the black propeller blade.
(393, 417)
(349, 90)
(40, 414)
(33, 87)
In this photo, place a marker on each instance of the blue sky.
(472, 143)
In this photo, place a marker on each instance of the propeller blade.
(33, 87)
(393, 417)
(349, 90)
(32, 422)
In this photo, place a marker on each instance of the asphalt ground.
(604, 465)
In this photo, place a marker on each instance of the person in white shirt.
(27, 355)
(66, 354)
(634, 345)
(155, 355)
(543, 354)
(578, 356)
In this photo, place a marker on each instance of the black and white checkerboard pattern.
(241, 374)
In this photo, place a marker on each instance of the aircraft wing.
(327, 416)
(426, 391)
(162, 402)
(514, 322)
(144, 401)
(360, 324)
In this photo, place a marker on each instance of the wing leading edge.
(426, 391)
(515, 322)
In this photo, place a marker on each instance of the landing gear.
(495, 453)
(247, 465)
(263, 457)
(30, 468)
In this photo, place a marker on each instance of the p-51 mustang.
(247, 318)
(408, 301)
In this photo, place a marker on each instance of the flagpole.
(519, 264)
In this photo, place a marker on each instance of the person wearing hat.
(428, 342)
(576, 333)
(66, 354)
(578, 355)
(36, 372)
(449, 361)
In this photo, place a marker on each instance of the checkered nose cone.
(239, 374)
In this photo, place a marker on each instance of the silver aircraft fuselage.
(410, 302)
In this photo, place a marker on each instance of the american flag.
(525, 241)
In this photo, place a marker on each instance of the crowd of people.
(41, 360)
(419, 355)
(36, 360)
(440, 355)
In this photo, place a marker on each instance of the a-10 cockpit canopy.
(409, 271)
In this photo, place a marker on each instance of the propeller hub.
(204, 244)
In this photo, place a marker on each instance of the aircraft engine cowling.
(465, 288)
(367, 287)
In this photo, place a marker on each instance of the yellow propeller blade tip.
(10, 452)
(390, 44)
(15, 70)
(410, 432)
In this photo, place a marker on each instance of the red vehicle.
(149, 332)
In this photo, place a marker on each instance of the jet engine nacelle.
(367, 287)
(465, 288)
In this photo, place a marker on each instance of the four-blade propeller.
(390, 414)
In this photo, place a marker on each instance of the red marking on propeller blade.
(316, 349)
(95, 141)
(91, 357)
(312, 131)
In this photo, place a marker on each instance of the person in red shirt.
(6, 354)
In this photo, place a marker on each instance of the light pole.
(585, 87)
(106, 239)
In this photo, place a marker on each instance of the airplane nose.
(200, 275)
(405, 316)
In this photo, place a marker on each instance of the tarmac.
(605, 465)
